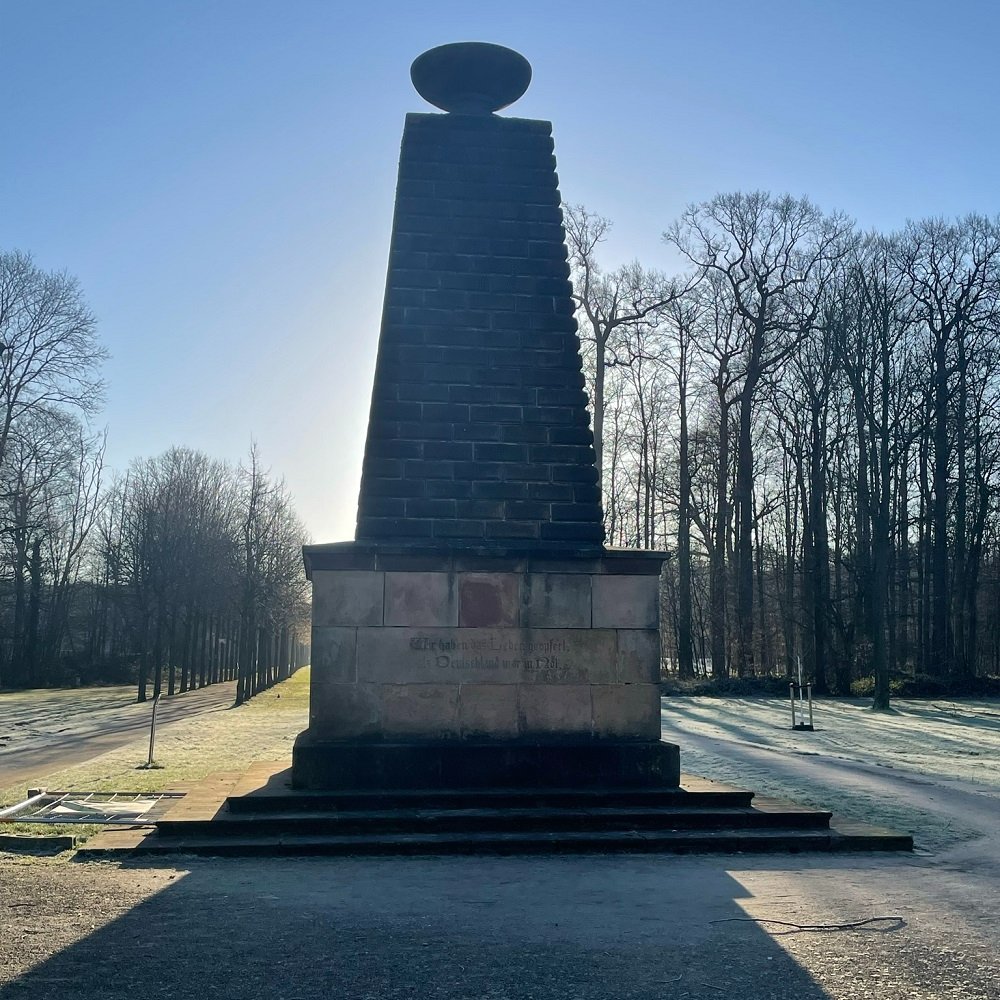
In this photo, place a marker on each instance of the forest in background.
(807, 419)
(179, 572)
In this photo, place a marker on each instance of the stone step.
(499, 798)
(478, 820)
(724, 841)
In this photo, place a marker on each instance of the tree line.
(808, 419)
(179, 572)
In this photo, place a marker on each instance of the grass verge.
(187, 750)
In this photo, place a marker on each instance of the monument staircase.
(258, 813)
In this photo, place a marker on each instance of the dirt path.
(43, 732)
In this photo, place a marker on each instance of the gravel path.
(497, 928)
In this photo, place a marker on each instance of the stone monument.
(477, 633)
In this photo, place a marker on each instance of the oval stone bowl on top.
(471, 78)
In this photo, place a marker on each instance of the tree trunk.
(685, 650)
(744, 520)
(34, 612)
(788, 574)
(882, 544)
(158, 656)
(820, 610)
(598, 403)
(717, 557)
(941, 660)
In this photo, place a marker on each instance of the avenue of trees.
(178, 572)
(808, 419)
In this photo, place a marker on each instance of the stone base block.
(319, 764)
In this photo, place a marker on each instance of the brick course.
(479, 433)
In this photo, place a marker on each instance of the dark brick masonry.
(479, 433)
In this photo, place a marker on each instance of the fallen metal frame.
(134, 809)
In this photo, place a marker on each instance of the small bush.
(864, 687)
(985, 687)
(725, 687)
(76, 670)
(923, 686)
(926, 686)
(919, 686)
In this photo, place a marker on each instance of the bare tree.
(684, 317)
(630, 297)
(272, 582)
(50, 357)
(953, 271)
(49, 497)
(776, 256)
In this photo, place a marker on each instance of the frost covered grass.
(32, 717)
(186, 750)
(948, 739)
(930, 768)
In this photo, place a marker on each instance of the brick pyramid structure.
(479, 432)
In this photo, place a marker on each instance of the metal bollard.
(803, 695)
(152, 732)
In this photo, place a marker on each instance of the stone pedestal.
(464, 669)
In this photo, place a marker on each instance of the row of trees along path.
(180, 572)
(809, 419)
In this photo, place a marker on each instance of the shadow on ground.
(428, 928)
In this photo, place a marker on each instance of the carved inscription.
(407, 655)
(540, 657)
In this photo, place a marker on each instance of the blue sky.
(219, 174)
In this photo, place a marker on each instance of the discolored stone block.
(334, 655)
(556, 600)
(554, 710)
(344, 711)
(638, 656)
(626, 711)
(429, 711)
(488, 600)
(626, 601)
(488, 710)
(347, 597)
(424, 599)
